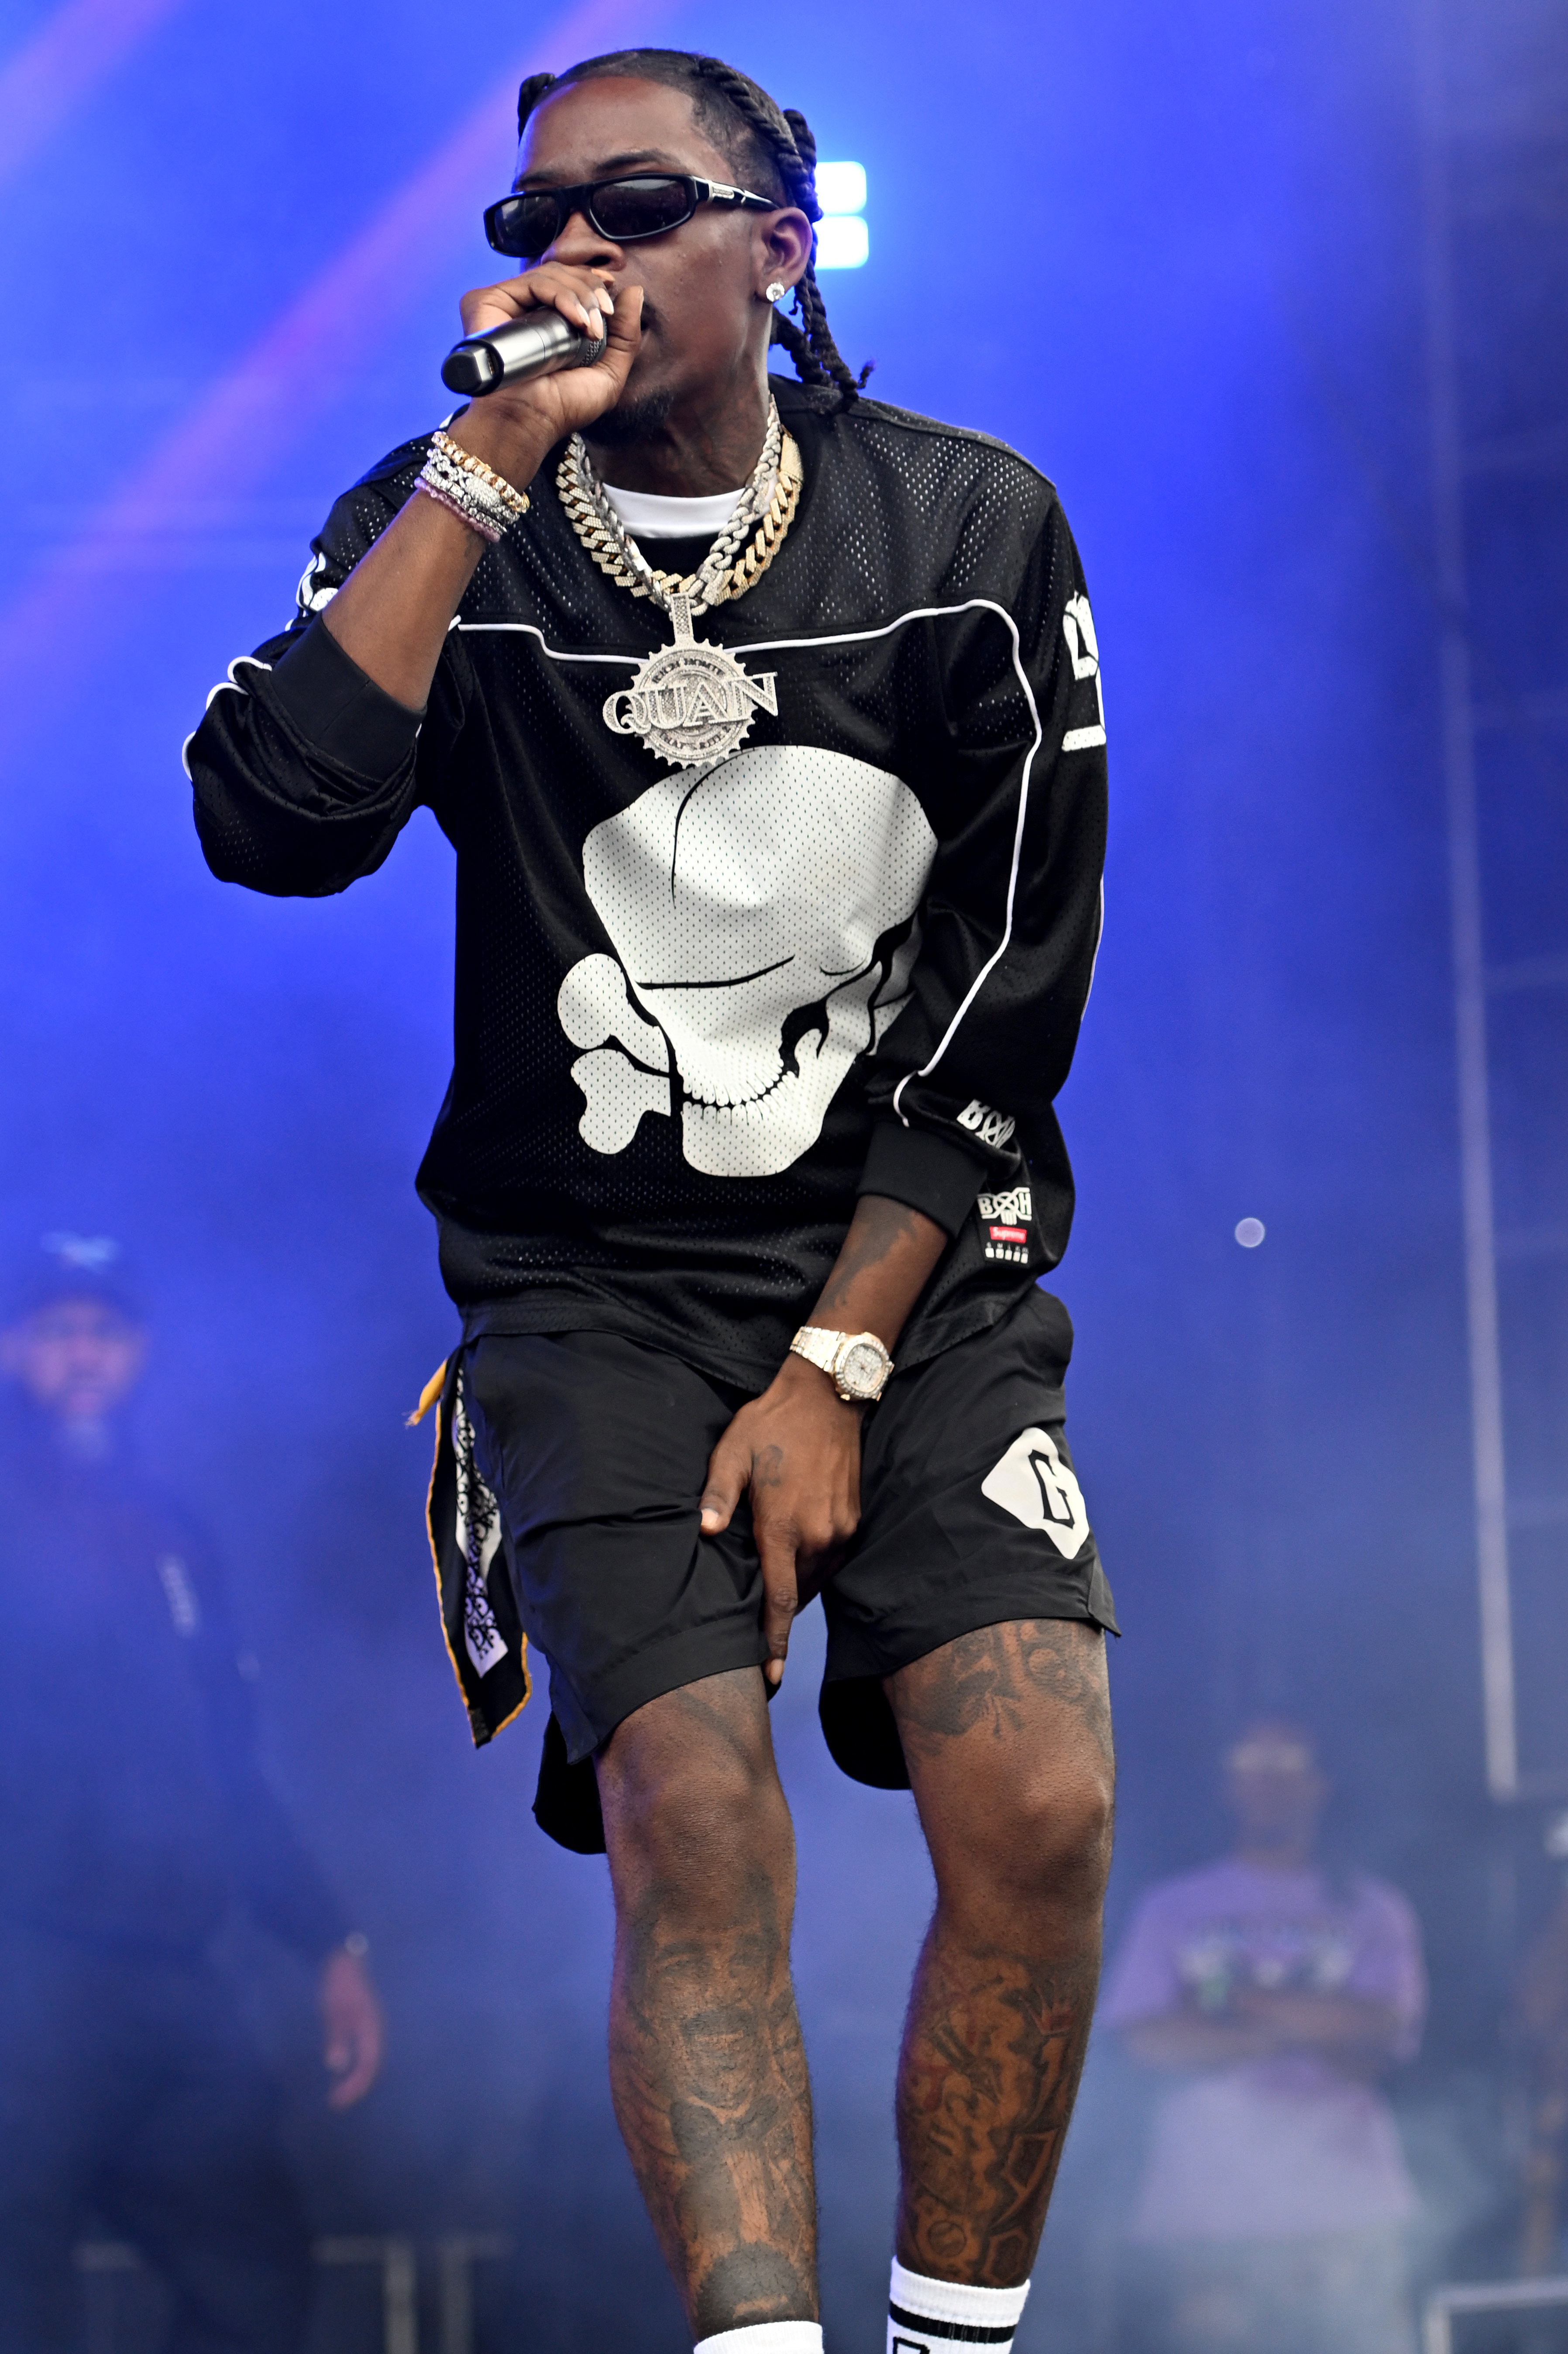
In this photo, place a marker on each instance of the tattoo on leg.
(1007, 1732)
(992, 2053)
(994, 1679)
(708, 2074)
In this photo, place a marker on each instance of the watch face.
(861, 1369)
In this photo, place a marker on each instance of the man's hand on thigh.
(795, 1450)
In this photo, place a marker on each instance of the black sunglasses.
(528, 223)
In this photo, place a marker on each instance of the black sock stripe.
(966, 2333)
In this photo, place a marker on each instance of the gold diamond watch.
(856, 1362)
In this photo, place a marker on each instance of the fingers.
(732, 1469)
(776, 1549)
(582, 299)
(626, 318)
(796, 1451)
(624, 331)
(606, 380)
(581, 296)
(352, 2029)
(729, 1470)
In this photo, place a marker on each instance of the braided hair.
(770, 146)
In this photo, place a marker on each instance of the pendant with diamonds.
(691, 702)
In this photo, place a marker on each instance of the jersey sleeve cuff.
(926, 1171)
(340, 711)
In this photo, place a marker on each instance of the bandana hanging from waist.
(484, 1640)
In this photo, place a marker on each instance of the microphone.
(516, 351)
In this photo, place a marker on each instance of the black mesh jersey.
(699, 1009)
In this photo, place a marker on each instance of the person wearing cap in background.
(1275, 2202)
(133, 1812)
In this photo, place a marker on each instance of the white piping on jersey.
(784, 645)
(531, 629)
(860, 637)
(229, 685)
(1099, 942)
(926, 613)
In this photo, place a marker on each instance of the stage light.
(841, 188)
(844, 241)
(1250, 1232)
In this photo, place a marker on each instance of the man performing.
(766, 723)
(133, 1811)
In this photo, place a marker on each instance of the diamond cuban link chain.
(691, 703)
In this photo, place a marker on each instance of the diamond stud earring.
(775, 289)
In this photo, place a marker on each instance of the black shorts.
(596, 1449)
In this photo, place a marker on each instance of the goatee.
(632, 420)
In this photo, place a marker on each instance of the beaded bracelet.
(463, 510)
(471, 490)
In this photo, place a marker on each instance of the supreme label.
(1004, 1222)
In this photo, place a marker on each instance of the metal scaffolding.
(1495, 103)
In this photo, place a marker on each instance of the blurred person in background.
(134, 1813)
(1275, 2202)
(1539, 2027)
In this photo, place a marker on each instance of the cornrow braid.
(784, 137)
(529, 95)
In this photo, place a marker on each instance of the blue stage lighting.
(844, 241)
(841, 188)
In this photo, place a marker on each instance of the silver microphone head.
(516, 352)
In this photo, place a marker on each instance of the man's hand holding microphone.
(392, 613)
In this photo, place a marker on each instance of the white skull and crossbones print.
(763, 915)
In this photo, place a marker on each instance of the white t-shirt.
(649, 516)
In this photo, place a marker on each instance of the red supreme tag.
(1004, 1221)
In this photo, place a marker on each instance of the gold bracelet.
(508, 493)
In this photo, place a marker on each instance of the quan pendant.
(690, 702)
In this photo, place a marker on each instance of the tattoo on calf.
(988, 2073)
(709, 2076)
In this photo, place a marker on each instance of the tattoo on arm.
(867, 1245)
(887, 1262)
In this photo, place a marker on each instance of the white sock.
(933, 2316)
(767, 2338)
